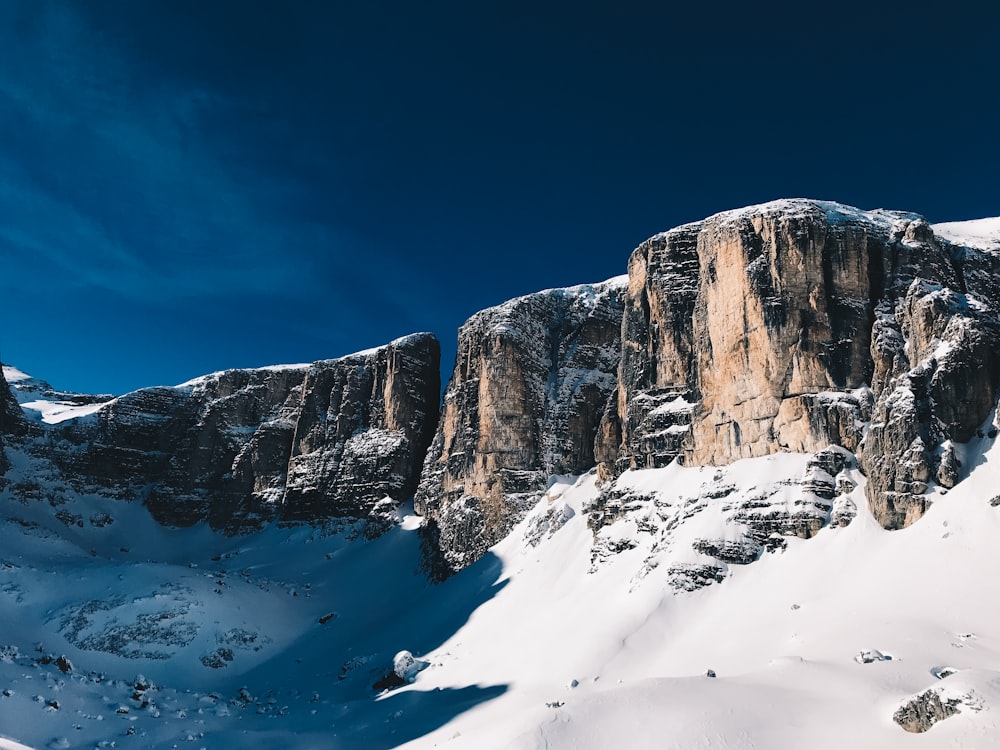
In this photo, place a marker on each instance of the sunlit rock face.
(532, 379)
(798, 324)
(785, 327)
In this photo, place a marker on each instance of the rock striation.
(363, 428)
(533, 378)
(657, 378)
(334, 439)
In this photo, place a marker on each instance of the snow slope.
(41, 402)
(980, 233)
(593, 662)
(560, 637)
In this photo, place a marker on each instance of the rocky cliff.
(792, 325)
(786, 327)
(532, 379)
(238, 448)
(363, 429)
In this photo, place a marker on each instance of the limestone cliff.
(363, 428)
(531, 382)
(657, 376)
(241, 447)
(790, 325)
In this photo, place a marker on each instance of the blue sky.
(189, 186)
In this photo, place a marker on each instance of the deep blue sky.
(189, 186)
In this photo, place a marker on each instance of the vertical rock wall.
(531, 383)
(363, 428)
(10, 421)
(657, 377)
(790, 326)
(238, 448)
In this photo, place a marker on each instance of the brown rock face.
(790, 325)
(783, 311)
(920, 712)
(531, 383)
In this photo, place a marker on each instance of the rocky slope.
(237, 448)
(531, 382)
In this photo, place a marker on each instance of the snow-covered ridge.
(408, 340)
(212, 376)
(13, 375)
(586, 295)
(836, 213)
(401, 341)
(983, 234)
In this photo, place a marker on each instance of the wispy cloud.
(108, 180)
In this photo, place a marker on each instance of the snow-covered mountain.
(744, 497)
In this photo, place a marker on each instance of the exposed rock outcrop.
(922, 711)
(792, 325)
(241, 447)
(531, 384)
(724, 516)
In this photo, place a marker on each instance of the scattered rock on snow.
(406, 666)
(922, 711)
(64, 664)
(869, 655)
(942, 672)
